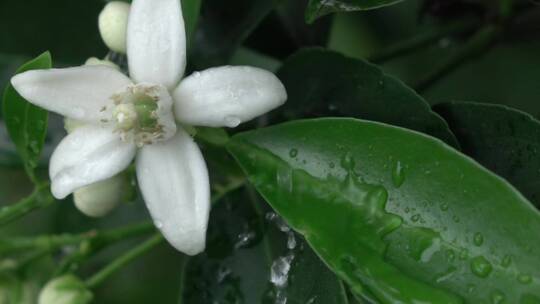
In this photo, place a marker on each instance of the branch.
(123, 260)
(429, 37)
(475, 46)
(41, 197)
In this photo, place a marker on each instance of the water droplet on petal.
(232, 121)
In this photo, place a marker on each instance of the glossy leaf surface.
(319, 8)
(26, 123)
(398, 215)
(504, 140)
(252, 256)
(341, 86)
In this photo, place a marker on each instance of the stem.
(39, 198)
(414, 43)
(54, 242)
(123, 260)
(220, 193)
(476, 45)
(183, 267)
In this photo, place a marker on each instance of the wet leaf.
(252, 256)
(319, 8)
(504, 140)
(398, 215)
(26, 123)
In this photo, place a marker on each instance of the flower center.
(142, 114)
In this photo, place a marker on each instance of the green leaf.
(395, 213)
(504, 140)
(244, 243)
(222, 27)
(191, 10)
(319, 8)
(26, 123)
(341, 86)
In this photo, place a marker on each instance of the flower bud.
(98, 199)
(96, 61)
(113, 21)
(66, 289)
(72, 124)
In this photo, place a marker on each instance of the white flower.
(125, 114)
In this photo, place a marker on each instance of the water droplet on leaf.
(481, 267)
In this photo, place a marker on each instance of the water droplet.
(415, 218)
(463, 254)
(78, 113)
(451, 255)
(444, 206)
(197, 74)
(222, 274)
(524, 278)
(506, 261)
(232, 121)
(332, 165)
(284, 179)
(158, 224)
(245, 239)
(398, 174)
(270, 216)
(455, 218)
(291, 240)
(279, 272)
(347, 162)
(311, 300)
(478, 239)
(497, 297)
(293, 153)
(481, 267)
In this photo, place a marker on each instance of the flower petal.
(79, 93)
(88, 155)
(227, 96)
(174, 182)
(156, 42)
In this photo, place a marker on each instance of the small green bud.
(112, 22)
(67, 289)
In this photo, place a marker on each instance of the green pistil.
(146, 107)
